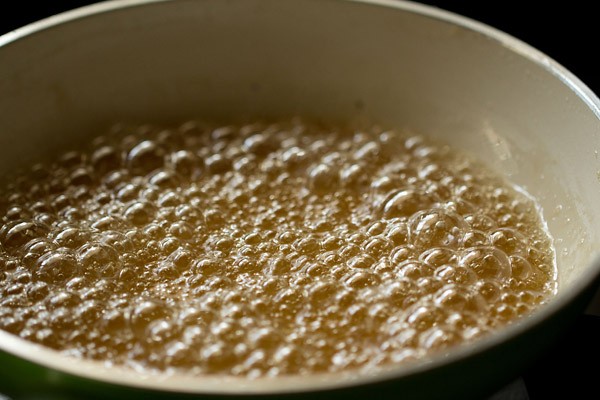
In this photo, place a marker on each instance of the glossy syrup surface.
(265, 249)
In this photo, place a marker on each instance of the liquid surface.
(265, 249)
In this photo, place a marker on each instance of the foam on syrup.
(266, 249)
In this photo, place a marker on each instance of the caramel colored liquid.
(266, 249)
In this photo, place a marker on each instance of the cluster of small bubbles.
(265, 249)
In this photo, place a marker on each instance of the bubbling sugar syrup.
(266, 249)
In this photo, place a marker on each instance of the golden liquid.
(265, 249)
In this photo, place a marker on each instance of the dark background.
(567, 33)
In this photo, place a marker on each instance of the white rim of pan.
(96, 370)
